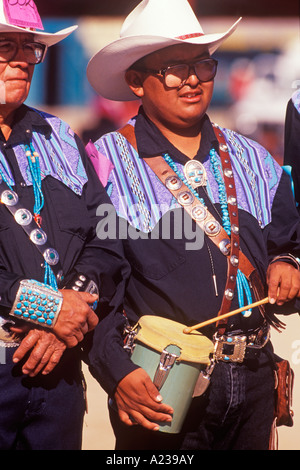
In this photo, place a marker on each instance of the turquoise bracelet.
(37, 303)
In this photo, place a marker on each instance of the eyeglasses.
(176, 75)
(34, 52)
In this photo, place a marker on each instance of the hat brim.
(106, 69)
(46, 38)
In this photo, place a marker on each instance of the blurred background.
(259, 69)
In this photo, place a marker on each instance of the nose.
(192, 78)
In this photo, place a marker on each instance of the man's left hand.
(45, 350)
(283, 282)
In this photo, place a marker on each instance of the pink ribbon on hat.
(102, 165)
(190, 36)
(23, 13)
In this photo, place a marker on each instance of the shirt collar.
(26, 121)
(151, 142)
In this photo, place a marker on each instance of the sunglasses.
(175, 75)
(34, 52)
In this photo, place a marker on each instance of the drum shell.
(181, 379)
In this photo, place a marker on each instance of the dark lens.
(206, 70)
(175, 75)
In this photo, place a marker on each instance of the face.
(15, 76)
(176, 109)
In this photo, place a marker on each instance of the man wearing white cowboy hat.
(170, 158)
(51, 261)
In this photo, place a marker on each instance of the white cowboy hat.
(152, 25)
(21, 16)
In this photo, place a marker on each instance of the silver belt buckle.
(239, 344)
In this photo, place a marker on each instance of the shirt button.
(23, 184)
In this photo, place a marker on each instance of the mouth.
(191, 96)
(14, 79)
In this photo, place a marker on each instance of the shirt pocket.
(70, 210)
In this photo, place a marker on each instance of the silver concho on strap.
(195, 173)
(212, 228)
(9, 198)
(38, 237)
(173, 183)
(185, 198)
(51, 256)
(199, 213)
(23, 217)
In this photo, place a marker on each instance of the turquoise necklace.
(35, 171)
(243, 288)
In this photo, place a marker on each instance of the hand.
(139, 401)
(46, 352)
(283, 281)
(76, 317)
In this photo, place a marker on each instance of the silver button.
(235, 229)
(232, 200)
(234, 260)
(228, 172)
(224, 246)
(229, 294)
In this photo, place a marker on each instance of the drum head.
(158, 333)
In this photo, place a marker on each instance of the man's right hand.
(139, 401)
(76, 317)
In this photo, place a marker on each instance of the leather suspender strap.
(212, 228)
(234, 256)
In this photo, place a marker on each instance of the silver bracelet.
(37, 303)
(287, 258)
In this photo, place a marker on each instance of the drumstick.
(226, 315)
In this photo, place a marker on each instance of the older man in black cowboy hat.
(53, 267)
(172, 159)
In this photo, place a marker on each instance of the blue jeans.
(235, 413)
(42, 413)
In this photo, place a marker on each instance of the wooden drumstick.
(226, 315)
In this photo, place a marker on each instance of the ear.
(135, 80)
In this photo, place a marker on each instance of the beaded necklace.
(35, 171)
(243, 288)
